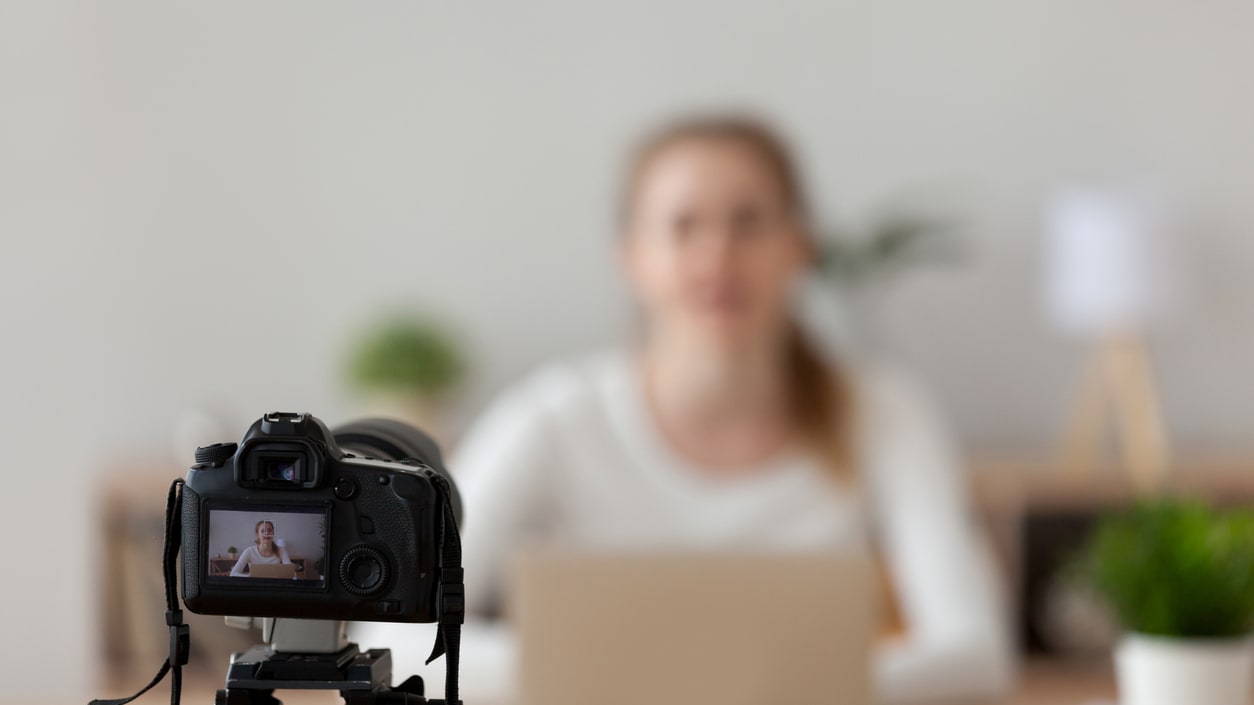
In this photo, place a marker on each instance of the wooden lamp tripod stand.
(1118, 393)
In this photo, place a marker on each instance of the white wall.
(199, 202)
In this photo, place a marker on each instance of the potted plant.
(857, 264)
(1179, 577)
(407, 365)
(231, 553)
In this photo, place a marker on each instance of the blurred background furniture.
(133, 637)
(1041, 684)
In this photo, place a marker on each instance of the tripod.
(313, 655)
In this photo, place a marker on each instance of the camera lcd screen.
(280, 547)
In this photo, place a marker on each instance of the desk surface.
(1040, 684)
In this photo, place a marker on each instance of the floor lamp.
(1106, 281)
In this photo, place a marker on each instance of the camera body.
(290, 523)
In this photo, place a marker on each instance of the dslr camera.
(298, 521)
(359, 523)
(299, 529)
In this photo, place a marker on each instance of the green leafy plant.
(408, 355)
(1175, 568)
(894, 241)
(232, 550)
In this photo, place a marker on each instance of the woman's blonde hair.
(820, 395)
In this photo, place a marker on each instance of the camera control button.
(345, 488)
(363, 570)
(365, 525)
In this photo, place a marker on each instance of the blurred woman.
(723, 427)
(263, 551)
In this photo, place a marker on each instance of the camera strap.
(180, 639)
(452, 596)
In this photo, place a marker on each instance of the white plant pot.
(1167, 671)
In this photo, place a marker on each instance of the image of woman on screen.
(265, 551)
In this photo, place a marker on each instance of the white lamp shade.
(1106, 266)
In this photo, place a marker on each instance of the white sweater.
(572, 454)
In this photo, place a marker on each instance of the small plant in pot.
(231, 552)
(858, 264)
(407, 366)
(1179, 577)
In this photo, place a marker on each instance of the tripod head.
(309, 636)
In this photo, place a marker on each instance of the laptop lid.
(672, 629)
(285, 571)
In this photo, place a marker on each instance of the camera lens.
(395, 440)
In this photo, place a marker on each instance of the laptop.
(283, 571)
(677, 629)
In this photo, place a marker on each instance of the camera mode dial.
(215, 454)
(363, 570)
